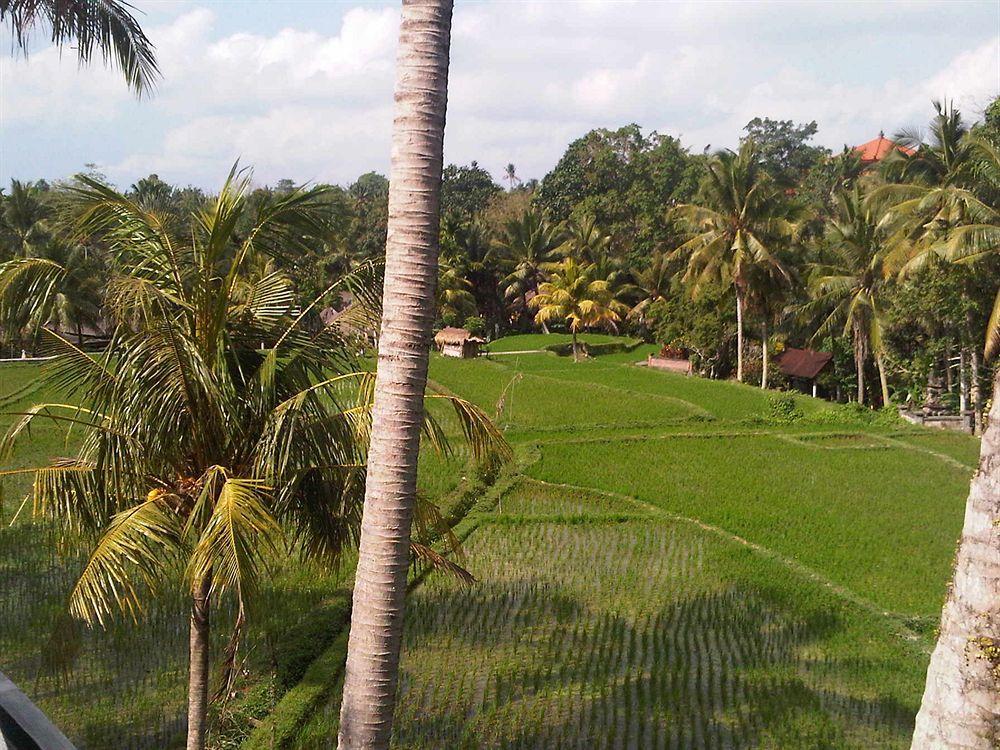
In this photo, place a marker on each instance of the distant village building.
(877, 149)
(803, 366)
(457, 342)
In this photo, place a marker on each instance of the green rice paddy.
(671, 565)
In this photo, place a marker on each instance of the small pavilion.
(457, 342)
(803, 366)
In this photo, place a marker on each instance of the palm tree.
(960, 702)
(22, 216)
(853, 284)
(454, 294)
(106, 26)
(528, 243)
(575, 295)
(510, 174)
(372, 669)
(933, 194)
(219, 433)
(740, 225)
(650, 284)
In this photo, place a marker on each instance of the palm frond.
(144, 541)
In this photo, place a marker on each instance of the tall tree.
(372, 670)
(104, 26)
(528, 243)
(211, 421)
(961, 701)
(576, 296)
(738, 228)
(851, 287)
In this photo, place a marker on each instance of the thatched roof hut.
(457, 342)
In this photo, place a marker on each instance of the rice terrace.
(669, 562)
(655, 405)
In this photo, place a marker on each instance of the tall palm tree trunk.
(763, 368)
(198, 674)
(739, 334)
(882, 379)
(859, 361)
(576, 350)
(397, 414)
(961, 703)
(976, 391)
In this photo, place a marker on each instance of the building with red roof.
(877, 149)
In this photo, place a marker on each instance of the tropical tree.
(851, 287)
(106, 27)
(740, 226)
(574, 295)
(528, 243)
(961, 702)
(70, 275)
(372, 669)
(510, 174)
(930, 194)
(651, 284)
(22, 217)
(455, 302)
(220, 433)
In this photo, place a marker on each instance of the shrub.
(475, 325)
(783, 407)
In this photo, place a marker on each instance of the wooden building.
(457, 342)
(803, 366)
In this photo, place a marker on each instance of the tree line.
(725, 258)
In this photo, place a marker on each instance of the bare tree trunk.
(739, 335)
(576, 351)
(883, 380)
(963, 383)
(859, 364)
(198, 674)
(961, 703)
(372, 669)
(976, 391)
(763, 370)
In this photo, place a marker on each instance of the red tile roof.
(877, 149)
(802, 363)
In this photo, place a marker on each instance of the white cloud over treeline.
(526, 78)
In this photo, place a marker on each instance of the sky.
(302, 89)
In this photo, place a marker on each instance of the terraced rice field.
(671, 564)
(710, 577)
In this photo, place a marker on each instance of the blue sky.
(303, 89)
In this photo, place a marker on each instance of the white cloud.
(526, 78)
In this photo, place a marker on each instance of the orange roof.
(877, 149)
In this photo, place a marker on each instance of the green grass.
(641, 633)
(675, 566)
(535, 341)
(126, 686)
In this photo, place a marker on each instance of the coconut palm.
(741, 224)
(574, 295)
(960, 702)
(372, 669)
(22, 216)
(106, 27)
(977, 240)
(219, 432)
(455, 302)
(850, 288)
(933, 194)
(528, 243)
(510, 174)
(650, 284)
